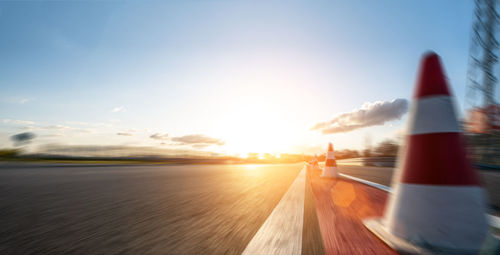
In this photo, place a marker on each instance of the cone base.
(402, 246)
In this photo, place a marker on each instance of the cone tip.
(330, 147)
(431, 80)
(429, 54)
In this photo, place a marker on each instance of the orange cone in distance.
(330, 169)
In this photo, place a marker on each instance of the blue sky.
(256, 75)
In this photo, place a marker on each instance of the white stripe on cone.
(434, 114)
(330, 171)
(330, 155)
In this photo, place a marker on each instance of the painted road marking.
(493, 220)
(281, 233)
(369, 183)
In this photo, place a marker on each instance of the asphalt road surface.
(190, 209)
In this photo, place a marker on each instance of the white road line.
(281, 233)
(494, 220)
(369, 183)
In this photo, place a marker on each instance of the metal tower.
(483, 120)
(482, 59)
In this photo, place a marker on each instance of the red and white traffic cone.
(437, 205)
(330, 169)
(316, 164)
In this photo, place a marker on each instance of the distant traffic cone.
(315, 164)
(330, 169)
(437, 205)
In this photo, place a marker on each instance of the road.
(190, 209)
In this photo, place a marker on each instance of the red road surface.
(341, 206)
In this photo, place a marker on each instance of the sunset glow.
(230, 78)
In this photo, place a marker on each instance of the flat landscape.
(186, 209)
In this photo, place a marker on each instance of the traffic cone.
(330, 169)
(437, 205)
(315, 165)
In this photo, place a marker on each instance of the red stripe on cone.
(431, 81)
(437, 159)
(330, 162)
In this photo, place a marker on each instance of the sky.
(222, 76)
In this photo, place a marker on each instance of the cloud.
(22, 138)
(200, 145)
(18, 122)
(29, 125)
(65, 128)
(118, 109)
(198, 140)
(24, 100)
(124, 134)
(92, 125)
(53, 135)
(370, 114)
(57, 127)
(158, 136)
(79, 123)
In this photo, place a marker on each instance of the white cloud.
(36, 127)
(57, 127)
(53, 135)
(124, 134)
(370, 114)
(24, 100)
(198, 140)
(79, 123)
(18, 122)
(118, 109)
(159, 136)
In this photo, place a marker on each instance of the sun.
(256, 131)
